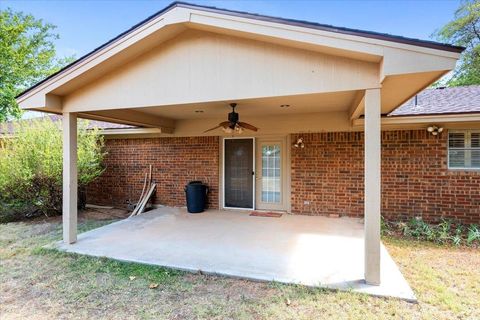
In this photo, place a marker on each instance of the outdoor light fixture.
(238, 129)
(227, 130)
(434, 130)
(233, 130)
(233, 125)
(299, 143)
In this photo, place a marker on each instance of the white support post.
(69, 177)
(372, 186)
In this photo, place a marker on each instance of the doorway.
(255, 173)
(270, 174)
(238, 173)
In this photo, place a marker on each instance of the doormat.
(266, 214)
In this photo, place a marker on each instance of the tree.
(31, 167)
(464, 31)
(27, 55)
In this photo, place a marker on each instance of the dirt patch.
(103, 214)
(95, 214)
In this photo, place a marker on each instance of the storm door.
(238, 173)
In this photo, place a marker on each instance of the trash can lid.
(195, 182)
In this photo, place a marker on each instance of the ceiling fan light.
(233, 125)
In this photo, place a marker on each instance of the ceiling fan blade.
(211, 129)
(248, 126)
(222, 124)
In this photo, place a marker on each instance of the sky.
(85, 25)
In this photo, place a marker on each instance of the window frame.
(467, 148)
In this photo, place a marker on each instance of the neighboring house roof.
(292, 22)
(453, 100)
(8, 127)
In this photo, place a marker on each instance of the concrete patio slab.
(313, 251)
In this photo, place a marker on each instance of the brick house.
(450, 185)
(322, 98)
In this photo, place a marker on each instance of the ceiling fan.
(233, 124)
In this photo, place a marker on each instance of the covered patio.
(176, 72)
(312, 251)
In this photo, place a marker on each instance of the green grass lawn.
(36, 283)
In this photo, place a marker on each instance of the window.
(271, 173)
(464, 149)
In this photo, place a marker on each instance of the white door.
(270, 174)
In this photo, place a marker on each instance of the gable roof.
(453, 100)
(292, 22)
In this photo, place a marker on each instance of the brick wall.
(175, 161)
(328, 173)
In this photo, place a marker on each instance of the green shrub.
(31, 167)
(443, 231)
(419, 229)
(457, 236)
(383, 226)
(473, 234)
(446, 232)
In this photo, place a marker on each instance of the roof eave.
(325, 27)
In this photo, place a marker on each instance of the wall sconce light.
(434, 130)
(299, 143)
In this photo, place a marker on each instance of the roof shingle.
(442, 100)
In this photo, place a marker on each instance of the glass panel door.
(238, 173)
(269, 179)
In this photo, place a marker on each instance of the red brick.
(328, 173)
(175, 161)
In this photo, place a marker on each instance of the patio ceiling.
(310, 103)
(327, 111)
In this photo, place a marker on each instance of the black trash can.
(196, 193)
